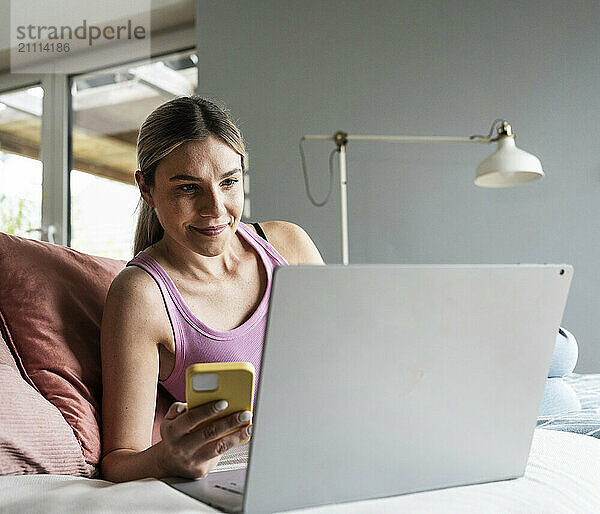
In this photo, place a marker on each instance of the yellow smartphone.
(231, 381)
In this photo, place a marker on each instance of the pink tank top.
(197, 342)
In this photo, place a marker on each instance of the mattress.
(561, 476)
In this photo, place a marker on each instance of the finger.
(216, 429)
(219, 446)
(189, 420)
(175, 410)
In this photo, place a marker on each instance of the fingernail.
(250, 430)
(245, 416)
(221, 405)
(181, 407)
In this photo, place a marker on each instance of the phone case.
(231, 381)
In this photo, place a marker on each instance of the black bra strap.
(259, 231)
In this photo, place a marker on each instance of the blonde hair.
(187, 118)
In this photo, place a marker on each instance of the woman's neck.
(189, 264)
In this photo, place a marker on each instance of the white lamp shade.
(508, 166)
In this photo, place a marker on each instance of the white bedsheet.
(562, 476)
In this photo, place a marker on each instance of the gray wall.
(422, 68)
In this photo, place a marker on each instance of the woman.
(197, 291)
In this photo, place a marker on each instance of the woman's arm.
(292, 242)
(131, 330)
(133, 324)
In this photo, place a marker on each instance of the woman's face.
(198, 195)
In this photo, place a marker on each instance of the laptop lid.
(379, 380)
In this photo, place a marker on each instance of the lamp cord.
(304, 172)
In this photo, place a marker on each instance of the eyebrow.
(196, 179)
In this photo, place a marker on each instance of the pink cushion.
(52, 299)
(34, 437)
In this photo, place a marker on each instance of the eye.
(187, 188)
(230, 182)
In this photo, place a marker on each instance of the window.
(108, 108)
(20, 164)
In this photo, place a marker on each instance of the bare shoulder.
(292, 242)
(133, 281)
(135, 297)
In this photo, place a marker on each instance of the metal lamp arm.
(341, 139)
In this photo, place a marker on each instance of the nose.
(212, 204)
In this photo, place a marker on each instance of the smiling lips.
(211, 231)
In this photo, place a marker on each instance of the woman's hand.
(193, 442)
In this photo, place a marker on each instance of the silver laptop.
(380, 380)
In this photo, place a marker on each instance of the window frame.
(55, 146)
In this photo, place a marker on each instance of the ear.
(145, 190)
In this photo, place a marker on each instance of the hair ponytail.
(148, 230)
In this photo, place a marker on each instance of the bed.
(562, 475)
(50, 371)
